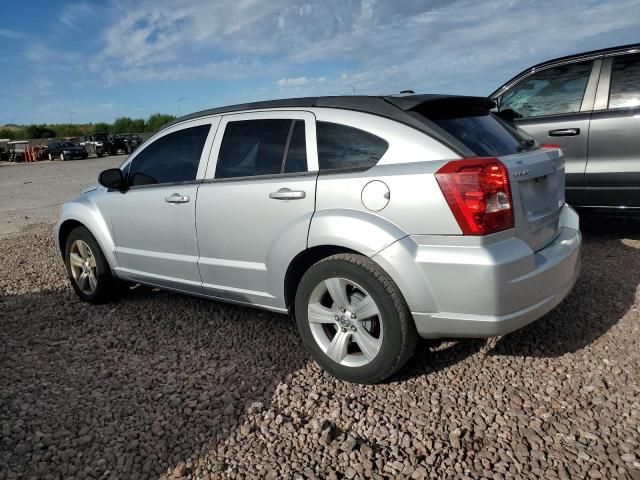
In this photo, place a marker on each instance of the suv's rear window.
(478, 129)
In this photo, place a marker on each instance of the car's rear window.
(478, 129)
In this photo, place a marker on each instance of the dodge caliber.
(372, 221)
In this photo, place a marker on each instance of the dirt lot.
(158, 385)
(34, 192)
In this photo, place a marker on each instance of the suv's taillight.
(478, 193)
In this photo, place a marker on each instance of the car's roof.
(631, 48)
(384, 105)
(395, 107)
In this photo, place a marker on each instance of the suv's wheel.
(50, 157)
(352, 317)
(62, 157)
(87, 268)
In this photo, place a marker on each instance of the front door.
(555, 108)
(256, 204)
(613, 168)
(153, 221)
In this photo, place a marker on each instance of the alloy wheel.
(83, 267)
(345, 322)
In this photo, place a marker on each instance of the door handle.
(177, 198)
(564, 132)
(287, 194)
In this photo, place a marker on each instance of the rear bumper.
(489, 289)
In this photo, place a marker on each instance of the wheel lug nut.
(343, 309)
(353, 316)
(337, 317)
(344, 330)
(353, 328)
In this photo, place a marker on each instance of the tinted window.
(262, 147)
(485, 135)
(625, 82)
(551, 91)
(172, 158)
(340, 146)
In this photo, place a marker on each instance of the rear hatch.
(536, 174)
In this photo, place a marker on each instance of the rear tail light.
(549, 145)
(478, 193)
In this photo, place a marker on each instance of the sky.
(90, 61)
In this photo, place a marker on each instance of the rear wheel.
(88, 269)
(353, 319)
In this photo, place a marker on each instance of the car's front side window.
(551, 91)
(262, 147)
(172, 158)
(625, 82)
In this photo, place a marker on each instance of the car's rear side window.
(625, 82)
(172, 158)
(262, 147)
(340, 147)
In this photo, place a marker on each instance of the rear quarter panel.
(416, 204)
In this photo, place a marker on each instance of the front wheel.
(50, 157)
(353, 319)
(88, 268)
(62, 157)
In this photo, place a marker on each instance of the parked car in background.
(372, 220)
(119, 144)
(588, 104)
(65, 151)
(96, 144)
(133, 141)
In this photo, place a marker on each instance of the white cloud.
(386, 46)
(13, 34)
(292, 82)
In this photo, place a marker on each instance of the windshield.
(478, 129)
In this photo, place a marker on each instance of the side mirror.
(112, 178)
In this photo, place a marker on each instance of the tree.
(10, 134)
(157, 120)
(101, 127)
(39, 131)
(122, 125)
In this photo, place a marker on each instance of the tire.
(50, 157)
(385, 329)
(106, 286)
(62, 157)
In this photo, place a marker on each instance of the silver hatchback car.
(372, 220)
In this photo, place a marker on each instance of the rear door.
(555, 107)
(613, 168)
(255, 206)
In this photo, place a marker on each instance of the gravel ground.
(158, 385)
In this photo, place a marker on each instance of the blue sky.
(104, 59)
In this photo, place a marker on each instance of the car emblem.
(521, 173)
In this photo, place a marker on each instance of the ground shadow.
(131, 388)
(605, 291)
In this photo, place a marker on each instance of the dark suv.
(66, 151)
(589, 105)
